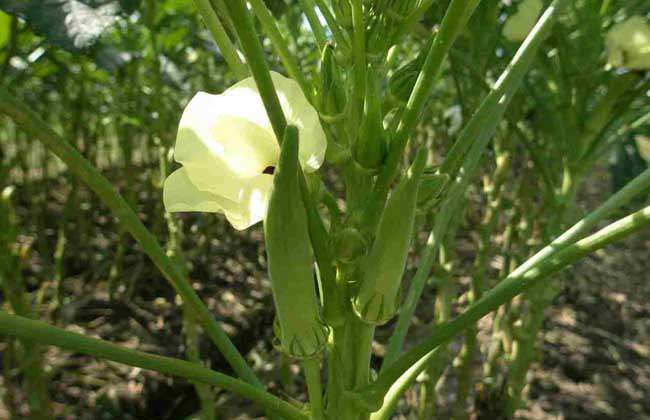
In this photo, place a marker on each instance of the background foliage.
(113, 77)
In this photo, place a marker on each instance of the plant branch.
(254, 53)
(28, 329)
(455, 19)
(515, 283)
(28, 121)
(474, 137)
(220, 36)
(270, 26)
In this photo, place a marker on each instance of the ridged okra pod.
(332, 94)
(370, 146)
(299, 329)
(377, 298)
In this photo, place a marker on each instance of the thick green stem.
(254, 53)
(288, 59)
(602, 112)
(311, 367)
(41, 332)
(309, 9)
(365, 334)
(470, 348)
(333, 25)
(359, 66)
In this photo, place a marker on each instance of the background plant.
(515, 179)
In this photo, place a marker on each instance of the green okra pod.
(403, 80)
(332, 94)
(299, 329)
(378, 294)
(371, 146)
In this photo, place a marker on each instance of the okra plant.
(359, 165)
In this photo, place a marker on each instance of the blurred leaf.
(44, 68)
(71, 24)
(5, 28)
(174, 38)
(111, 59)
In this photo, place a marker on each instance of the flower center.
(269, 170)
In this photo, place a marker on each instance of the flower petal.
(180, 194)
(226, 131)
(251, 208)
(302, 114)
(297, 110)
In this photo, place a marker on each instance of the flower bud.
(403, 80)
(370, 146)
(377, 298)
(300, 331)
(332, 94)
(349, 245)
(628, 44)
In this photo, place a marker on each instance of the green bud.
(370, 146)
(349, 245)
(300, 331)
(403, 80)
(332, 93)
(377, 298)
(431, 187)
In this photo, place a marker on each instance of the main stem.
(311, 367)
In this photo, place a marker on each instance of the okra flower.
(628, 44)
(229, 151)
(519, 25)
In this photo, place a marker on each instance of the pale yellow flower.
(228, 150)
(519, 25)
(628, 44)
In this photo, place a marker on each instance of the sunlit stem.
(270, 27)
(359, 66)
(44, 333)
(256, 62)
(454, 21)
(228, 50)
(309, 8)
(333, 25)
